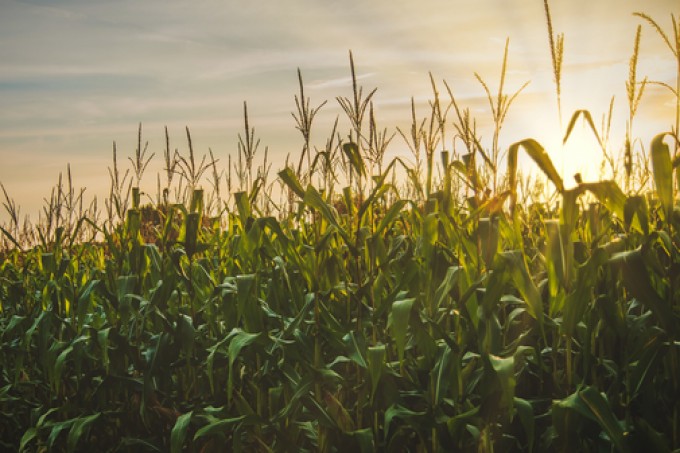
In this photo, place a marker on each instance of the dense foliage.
(445, 313)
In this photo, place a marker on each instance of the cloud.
(77, 74)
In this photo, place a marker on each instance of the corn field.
(441, 302)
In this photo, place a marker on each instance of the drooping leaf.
(539, 156)
(239, 340)
(80, 426)
(604, 415)
(353, 154)
(409, 416)
(221, 426)
(588, 119)
(589, 404)
(57, 428)
(663, 173)
(608, 193)
(287, 175)
(27, 437)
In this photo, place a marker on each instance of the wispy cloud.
(77, 74)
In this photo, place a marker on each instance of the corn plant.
(430, 315)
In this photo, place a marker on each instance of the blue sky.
(76, 75)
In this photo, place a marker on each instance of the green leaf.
(351, 150)
(376, 360)
(57, 428)
(185, 333)
(248, 305)
(313, 199)
(59, 365)
(608, 193)
(603, 414)
(539, 156)
(11, 238)
(364, 438)
(398, 321)
(390, 216)
(455, 425)
(589, 404)
(319, 413)
(134, 444)
(636, 278)
(239, 340)
(356, 351)
(446, 376)
(243, 207)
(179, 432)
(103, 342)
(488, 236)
(379, 189)
(409, 416)
(648, 438)
(80, 426)
(577, 300)
(28, 436)
(221, 426)
(526, 417)
(555, 259)
(504, 369)
(643, 370)
(84, 298)
(636, 209)
(516, 262)
(287, 175)
(338, 413)
(663, 173)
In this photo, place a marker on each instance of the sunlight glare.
(580, 154)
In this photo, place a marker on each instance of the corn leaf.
(351, 150)
(636, 279)
(287, 175)
(239, 340)
(376, 361)
(80, 426)
(663, 173)
(179, 431)
(539, 156)
(223, 425)
(399, 321)
(588, 119)
(526, 417)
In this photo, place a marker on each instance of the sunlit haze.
(78, 74)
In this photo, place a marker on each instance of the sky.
(76, 75)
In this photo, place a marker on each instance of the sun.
(582, 156)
